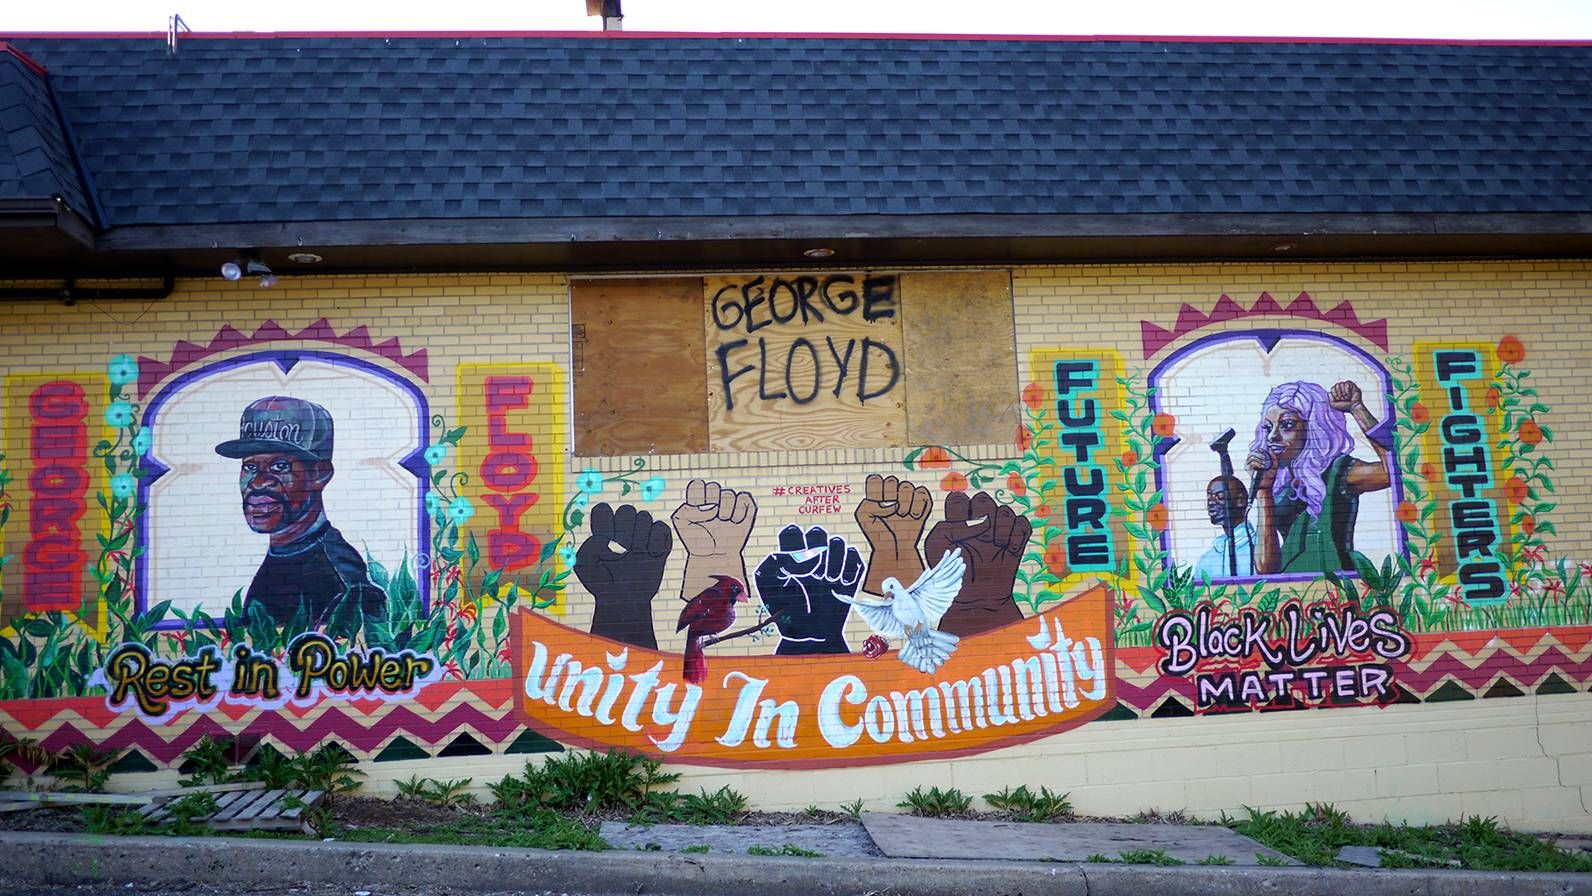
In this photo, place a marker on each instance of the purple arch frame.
(1268, 340)
(414, 462)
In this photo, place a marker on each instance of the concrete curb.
(84, 858)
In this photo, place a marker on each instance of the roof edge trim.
(478, 231)
(798, 35)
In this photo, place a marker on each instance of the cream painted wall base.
(1526, 760)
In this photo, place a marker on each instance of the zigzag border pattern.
(1189, 319)
(152, 371)
(1477, 661)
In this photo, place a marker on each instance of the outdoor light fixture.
(254, 267)
(819, 252)
(304, 258)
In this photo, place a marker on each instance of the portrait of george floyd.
(1283, 463)
(285, 453)
(283, 483)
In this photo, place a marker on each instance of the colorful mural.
(1273, 510)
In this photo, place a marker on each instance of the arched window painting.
(1284, 464)
(309, 466)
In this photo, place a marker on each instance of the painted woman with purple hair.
(1307, 485)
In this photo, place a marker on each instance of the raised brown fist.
(993, 539)
(892, 514)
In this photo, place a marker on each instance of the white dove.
(912, 613)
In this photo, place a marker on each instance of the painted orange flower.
(954, 482)
(1492, 398)
(1016, 485)
(1163, 425)
(1510, 350)
(1419, 413)
(1025, 439)
(1515, 490)
(1129, 458)
(1042, 511)
(1056, 559)
(1528, 524)
(1034, 396)
(1406, 512)
(1530, 432)
(934, 458)
(1157, 517)
(1429, 472)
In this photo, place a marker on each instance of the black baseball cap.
(284, 425)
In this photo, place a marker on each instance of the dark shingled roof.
(324, 128)
(35, 149)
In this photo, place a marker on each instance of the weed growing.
(1149, 857)
(453, 794)
(937, 803)
(1315, 834)
(588, 783)
(85, 767)
(723, 806)
(789, 849)
(531, 829)
(1024, 805)
(115, 820)
(209, 761)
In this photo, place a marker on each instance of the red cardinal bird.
(704, 616)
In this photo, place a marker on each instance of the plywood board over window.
(804, 362)
(961, 363)
(638, 360)
(793, 362)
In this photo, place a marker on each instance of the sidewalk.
(148, 861)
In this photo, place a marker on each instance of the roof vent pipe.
(174, 26)
(613, 18)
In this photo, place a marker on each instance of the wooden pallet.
(24, 800)
(249, 809)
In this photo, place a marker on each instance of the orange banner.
(1033, 678)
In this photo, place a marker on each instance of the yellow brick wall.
(1526, 759)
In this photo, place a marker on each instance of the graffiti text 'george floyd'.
(799, 369)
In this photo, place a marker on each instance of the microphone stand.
(1219, 445)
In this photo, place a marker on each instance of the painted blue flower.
(590, 482)
(460, 510)
(566, 553)
(652, 488)
(122, 370)
(436, 454)
(123, 485)
(433, 504)
(119, 414)
(581, 500)
(142, 442)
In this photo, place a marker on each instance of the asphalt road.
(14, 888)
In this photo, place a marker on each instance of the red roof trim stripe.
(24, 58)
(796, 35)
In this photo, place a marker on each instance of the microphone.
(1254, 478)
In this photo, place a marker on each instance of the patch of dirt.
(401, 814)
(53, 821)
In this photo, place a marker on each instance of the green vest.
(1325, 541)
